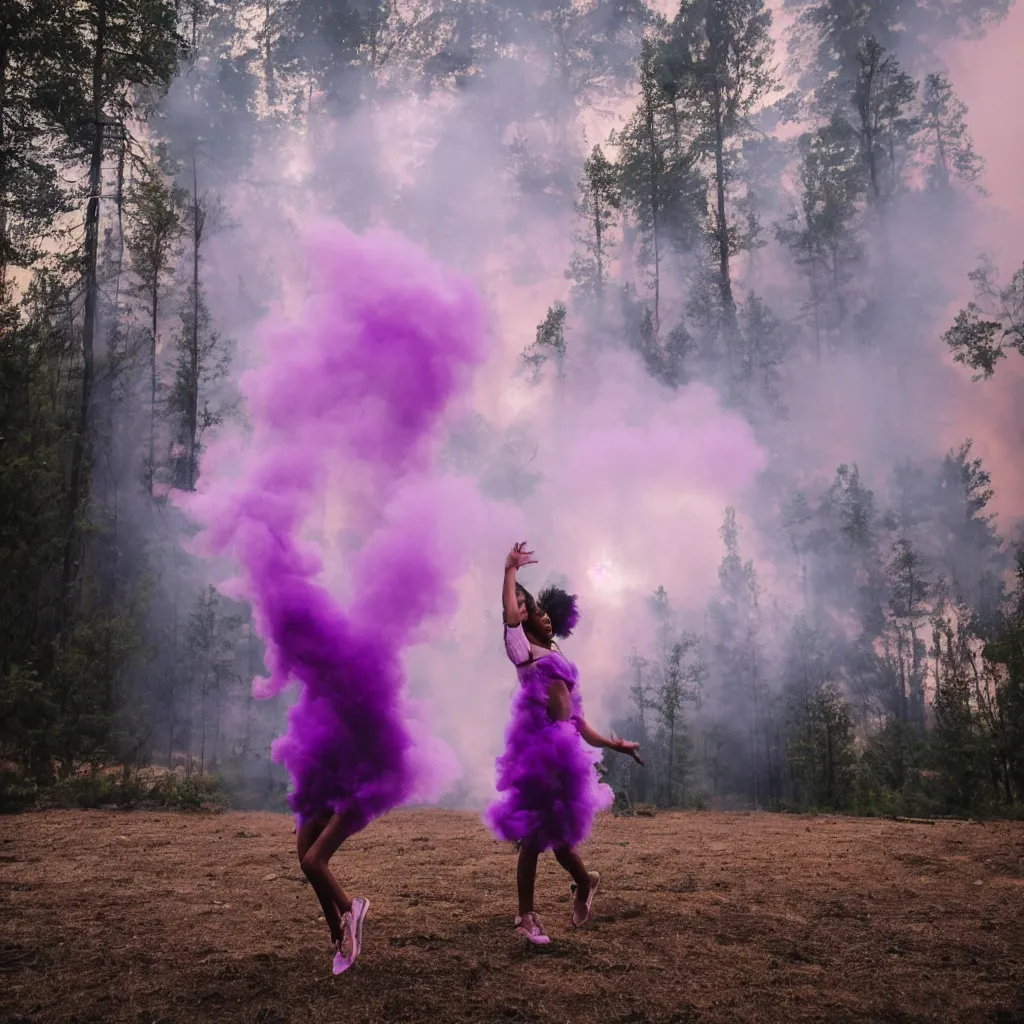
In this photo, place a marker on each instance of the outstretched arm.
(516, 559)
(595, 739)
(560, 710)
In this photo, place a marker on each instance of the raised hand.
(519, 556)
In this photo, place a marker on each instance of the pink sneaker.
(351, 944)
(581, 914)
(341, 962)
(531, 929)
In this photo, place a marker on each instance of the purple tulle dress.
(548, 789)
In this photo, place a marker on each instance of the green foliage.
(993, 323)
(945, 142)
(826, 34)
(882, 97)
(822, 232)
(99, 789)
(894, 686)
(549, 345)
(599, 199)
(192, 793)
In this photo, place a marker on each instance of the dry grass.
(702, 917)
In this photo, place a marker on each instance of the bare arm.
(560, 710)
(516, 559)
(509, 601)
(595, 739)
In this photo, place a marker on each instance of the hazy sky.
(989, 76)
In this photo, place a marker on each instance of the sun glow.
(607, 579)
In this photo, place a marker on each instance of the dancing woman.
(547, 784)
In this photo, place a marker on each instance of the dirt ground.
(141, 917)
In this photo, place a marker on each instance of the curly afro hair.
(561, 609)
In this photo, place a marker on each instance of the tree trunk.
(268, 59)
(940, 147)
(193, 397)
(216, 729)
(869, 140)
(722, 230)
(655, 201)
(816, 304)
(4, 33)
(202, 726)
(671, 755)
(79, 454)
(829, 766)
(190, 716)
(154, 300)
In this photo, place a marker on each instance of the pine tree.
(844, 570)
(819, 728)
(736, 658)
(598, 202)
(999, 689)
(130, 44)
(197, 400)
(549, 345)
(945, 142)
(36, 38)
(660, 188)
(905, 651)
(963, 530)
(764, 347)
(960, 752)
(720, 56)
(882, 98)
(153, 248)
(826, 35)
(822, 232)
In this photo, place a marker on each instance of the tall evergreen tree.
(945, 142)
(737, 661)
(659, 184)
(826, 35)
(130, 44)
(882, 97)
(153, 247)
(822, 232)
(598, 202)
(39, 53)
(719, 55)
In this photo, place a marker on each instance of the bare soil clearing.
(704, 917)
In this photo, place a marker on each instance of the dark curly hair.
(559, 605)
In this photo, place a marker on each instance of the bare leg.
(317, 841)
(573, 863)
(526, 877)
(584, 887)
(307, 836)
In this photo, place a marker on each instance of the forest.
(769, 203)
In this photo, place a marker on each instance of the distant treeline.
(894, 682)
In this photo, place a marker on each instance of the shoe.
(351, 945)
(531, 929)
(341, 962)
(580, 916)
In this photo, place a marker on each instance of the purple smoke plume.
(385, 342)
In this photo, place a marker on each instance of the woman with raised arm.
(548, 787)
